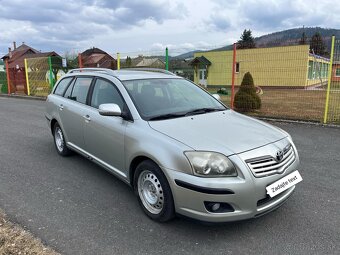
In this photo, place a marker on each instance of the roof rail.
(101, 70)
(156, 70)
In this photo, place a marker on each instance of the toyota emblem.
(279, 155)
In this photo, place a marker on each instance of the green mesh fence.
(333, 115)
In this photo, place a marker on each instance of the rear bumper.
(245, 194)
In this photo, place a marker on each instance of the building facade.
(286, 66)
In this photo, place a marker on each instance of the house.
(182, 67)
(147, 62)
(336, 67)
(95, 57)
(285, 66)
(16, 65)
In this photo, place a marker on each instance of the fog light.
(216, 206)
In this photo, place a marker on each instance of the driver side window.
(105, 92)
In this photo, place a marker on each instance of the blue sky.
(148, 26)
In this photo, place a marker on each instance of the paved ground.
(78, 208)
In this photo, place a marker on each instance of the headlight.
(210, 164)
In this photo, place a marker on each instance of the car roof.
(128, 74)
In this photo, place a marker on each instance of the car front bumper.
(246, 194)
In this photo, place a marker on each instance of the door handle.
(87, 118)
(61, 107)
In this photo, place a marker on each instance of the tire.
(59, 141)
(153, 191)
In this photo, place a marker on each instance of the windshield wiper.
(203, 110)
(167, 116)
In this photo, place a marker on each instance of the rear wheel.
(154, 193)
(59, 141)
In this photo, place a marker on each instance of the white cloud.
(151, 25)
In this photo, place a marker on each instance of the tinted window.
(105, 92)
(80, 89)
(62, 85)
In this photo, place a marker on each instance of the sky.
(148, 26)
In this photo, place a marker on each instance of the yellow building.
(286, 66)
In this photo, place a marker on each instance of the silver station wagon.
(179, 148)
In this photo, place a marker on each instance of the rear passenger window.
(105, 92)
(80, 89)
(62, 85)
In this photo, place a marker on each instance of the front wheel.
(154, 193)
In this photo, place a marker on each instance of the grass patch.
(16, 241)
(298, 104)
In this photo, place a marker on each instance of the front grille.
(268, 165)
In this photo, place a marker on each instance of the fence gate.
(38, 76)
(42, 74)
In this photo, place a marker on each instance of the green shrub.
(3, 83)
(222, 91)
(246, 98)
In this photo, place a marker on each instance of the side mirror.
(217, 96)
(109, 110)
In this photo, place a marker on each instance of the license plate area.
(284, 183)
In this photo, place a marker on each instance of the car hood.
(227, 132)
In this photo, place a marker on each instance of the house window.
(237, 67)
(310, 70)
(337, 72)
(325, 70)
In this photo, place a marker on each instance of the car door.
(73, 111)
(104, 135)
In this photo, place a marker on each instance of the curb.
(23, 97)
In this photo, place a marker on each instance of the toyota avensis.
(179, 148)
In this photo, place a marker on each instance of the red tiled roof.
(21, 50)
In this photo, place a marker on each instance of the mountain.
(283, 38)
(292, 37)
(189, 54)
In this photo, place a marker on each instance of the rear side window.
(62, 85)
(80, 89)
(105, 92)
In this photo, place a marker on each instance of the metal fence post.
(27, 80)
(233, 77)
(330, 70)
(166, 59)
(51, 72)
(80, 61)
(8, 80)
(118, 61)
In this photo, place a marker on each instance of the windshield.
(158, 99)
